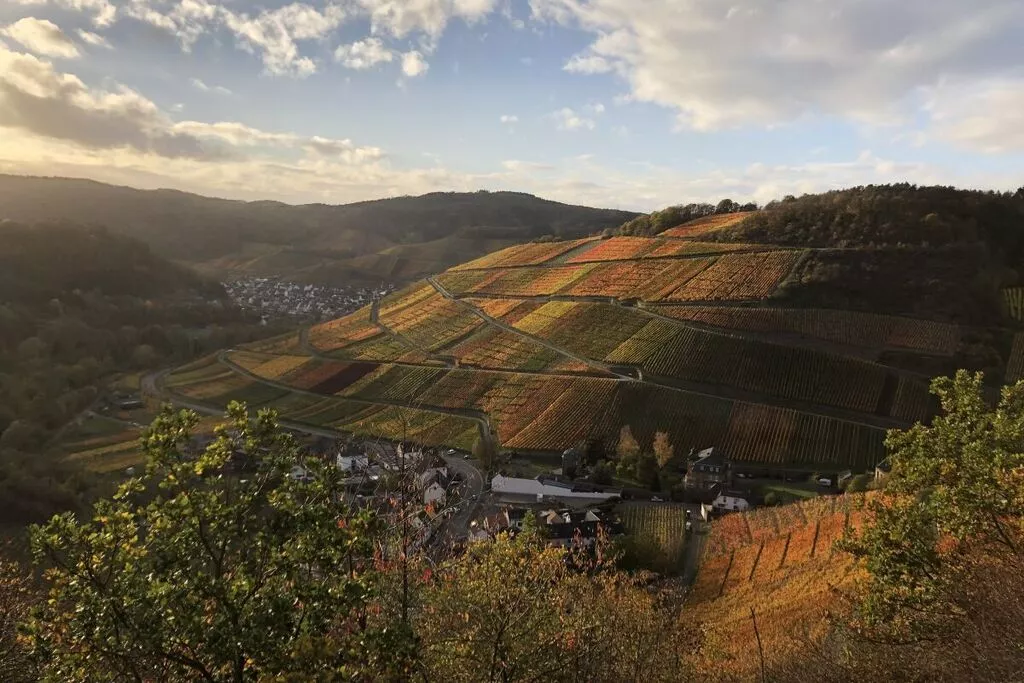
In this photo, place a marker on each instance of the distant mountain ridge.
(401, 238)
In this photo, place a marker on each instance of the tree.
(16, 598)
(647, 472)
(516, 610)
(943, 553)
(628, 446)
(664, 451)
(193, 573)
(603, 473)
(485, 449)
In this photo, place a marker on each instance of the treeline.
(659, 221)
(76, 306)
(194, 228)
(898, 214)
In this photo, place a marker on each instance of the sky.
(630, 104)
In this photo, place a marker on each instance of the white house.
(352, 463)
(730, 501)
(511, 487)
(435, 493)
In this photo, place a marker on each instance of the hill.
(395, 239)
(790, 359)
(77, 306)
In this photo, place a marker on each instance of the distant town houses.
(273, 298)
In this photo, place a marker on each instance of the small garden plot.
(657, 527)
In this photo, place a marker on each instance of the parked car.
(825, 481)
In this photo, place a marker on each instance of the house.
(300, 473)
(434, 484)
(351, 464)
(512, 489)
(562, 527)
(707, 470)
(435, 494)
(731, 501)
(129, 403)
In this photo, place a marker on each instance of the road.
(457, 526)
(695, 541)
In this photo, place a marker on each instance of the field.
(738, 277)
(344, 332)
(522, 255)
(842, 327)
(660, 526)
(432, 324)
(553, 344)
(1013, 302)
(1015, 366)
(708, 224)
(780, 562)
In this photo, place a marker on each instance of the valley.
(559, 345)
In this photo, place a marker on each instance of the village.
(449, 502)
(272, 298)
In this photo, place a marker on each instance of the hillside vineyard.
(548, 346)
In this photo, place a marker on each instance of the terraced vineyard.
(780, 562)
(661, 528)
(550, 345)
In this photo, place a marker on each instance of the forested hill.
(43, 261)
(77, 306)
(890, 215)
(399, 238)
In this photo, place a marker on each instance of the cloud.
(276, 35)
(765, 62)
(363, 54)
(519, 165)
(509, 118)
(588, 64)
(103, 11)
(42, 37)
(198, 84)
(597, 108)
(413, 64)
(567, 119)
(429, 17)
(40, 102)
(239, 135)
(990, 119)
(94, 39)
